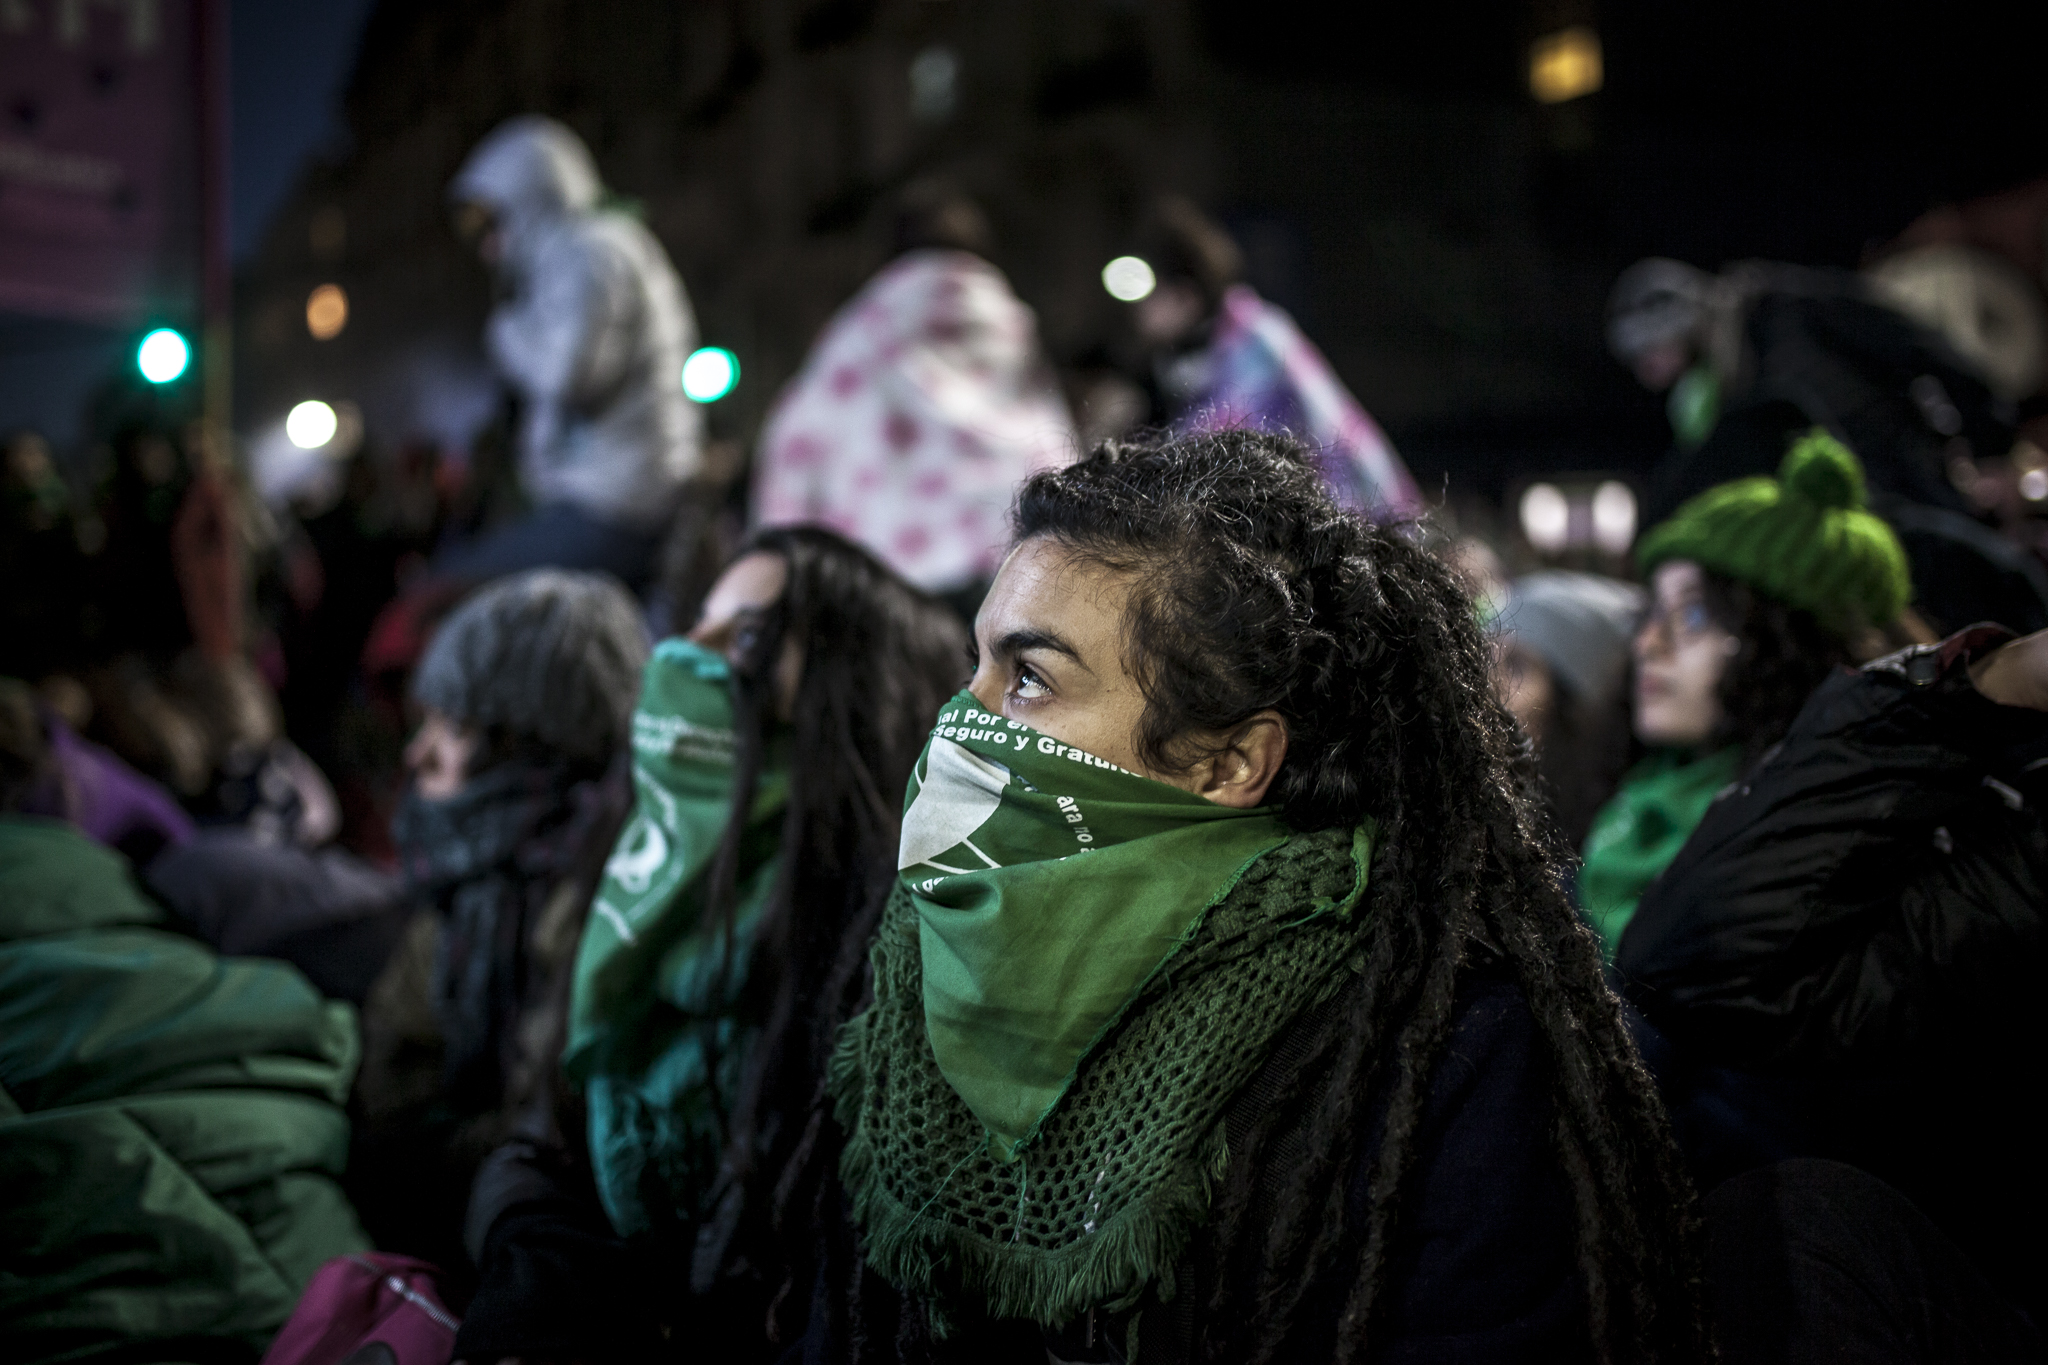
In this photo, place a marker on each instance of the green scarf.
(1049, 886)
(1079, 970)
(652, 979)
(1694, 406)
(1640, 830)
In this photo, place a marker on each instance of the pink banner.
(100, 138)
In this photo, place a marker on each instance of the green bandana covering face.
(1641, 829)
(1049, 885)
(651, 979)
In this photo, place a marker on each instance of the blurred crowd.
(1000, 871)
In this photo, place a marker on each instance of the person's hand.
(2016, 674)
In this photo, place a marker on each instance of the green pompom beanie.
(1802, 538)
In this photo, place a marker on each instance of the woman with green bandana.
(732, 916)
(1228, 1007)
(1760, 588)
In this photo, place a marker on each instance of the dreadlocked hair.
(1251, 589)
(876, 659)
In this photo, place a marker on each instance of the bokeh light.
(1614, 517)
(162, 356)
(710, 374)
(311, 424)
(934, 84)
(326, 312)
(1546, 518)
(1565, 65)
(1128, 278)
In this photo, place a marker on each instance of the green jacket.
(171, 1124)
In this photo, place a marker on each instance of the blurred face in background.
(1657, 367)
(477, 226)
(1681, 653)
(1170, 314)
(1525, 686)
(739, 608)
(440, 754)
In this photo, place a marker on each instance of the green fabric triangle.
(652, 980)
(1660, 802)
(1098, 1206)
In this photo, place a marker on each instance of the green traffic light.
(710, 374)
(162, 356)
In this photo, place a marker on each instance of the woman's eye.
(1693, 618)
(1030, 686)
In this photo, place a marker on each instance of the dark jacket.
(1857, 928)
(1815, 348)
(1485, 1265)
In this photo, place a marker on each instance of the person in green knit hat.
(1759, 588)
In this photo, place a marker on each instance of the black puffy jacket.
(1854, 933)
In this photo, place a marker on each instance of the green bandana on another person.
(1641, 829)
(653, 981)
(1079, 970)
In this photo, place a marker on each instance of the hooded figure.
(1223, 357)
(593, 335)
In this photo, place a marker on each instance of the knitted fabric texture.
(547, 653)
(1802, 538)
(1102, 1204)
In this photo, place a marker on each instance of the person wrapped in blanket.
(1224, 357)
(770, 749)
(172, 1136)
(923, 404)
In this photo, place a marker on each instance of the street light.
(162, 356)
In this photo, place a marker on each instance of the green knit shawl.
(1099, 1208)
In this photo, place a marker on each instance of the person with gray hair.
(547, 658)
(1560, 663)
(517, 790)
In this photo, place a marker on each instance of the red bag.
(368, 1309)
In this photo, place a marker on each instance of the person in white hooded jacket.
(592, 334)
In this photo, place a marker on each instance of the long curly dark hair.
(1786, 653)
(1254, 590)
(877, 659)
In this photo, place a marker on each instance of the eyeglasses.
(1680, 624)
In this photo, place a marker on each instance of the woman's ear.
(1238, 774)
